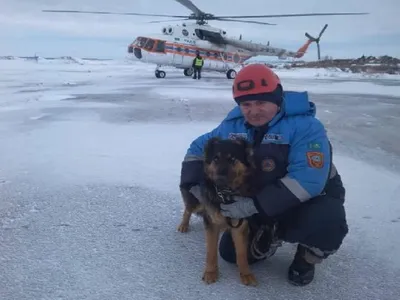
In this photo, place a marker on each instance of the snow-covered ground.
(90, 157)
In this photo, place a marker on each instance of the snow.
(331, 73)
(90, 157)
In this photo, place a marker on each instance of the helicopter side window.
(160, 46)
(199, 34)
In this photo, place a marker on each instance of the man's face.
(258, 113)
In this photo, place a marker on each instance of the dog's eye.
(232, 160)
(216, 159)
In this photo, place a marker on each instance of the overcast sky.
(25, 30)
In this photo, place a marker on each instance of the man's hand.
(196, 191)
(243, 207)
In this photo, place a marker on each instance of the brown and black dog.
(228, 169)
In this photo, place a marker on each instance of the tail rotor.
(317, 39)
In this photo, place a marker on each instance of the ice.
(90, 157)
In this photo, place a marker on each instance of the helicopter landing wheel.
(160, 74)
(188, 72)
(231, 74)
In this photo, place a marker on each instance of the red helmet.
(257, 82)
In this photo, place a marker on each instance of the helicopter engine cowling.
(213, 37)
(205, 45)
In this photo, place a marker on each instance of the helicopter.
(176, 46)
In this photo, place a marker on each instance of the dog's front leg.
(184, 225)
(211, 269)
(240, 239)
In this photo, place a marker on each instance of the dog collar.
(224, 195)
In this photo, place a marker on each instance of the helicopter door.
(209, 60)
(178, 56)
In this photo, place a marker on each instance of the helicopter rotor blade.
(162, 21)
(322, 31)
(189, 5)
(292, 15)
(319, 36)
(243, 21)
(310, 37)
(110, 13)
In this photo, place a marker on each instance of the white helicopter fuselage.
(177, 47)
(180, 54)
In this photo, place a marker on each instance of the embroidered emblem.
(273, 137)
(237, 136)
(315, 159)
(268, 165)
(315, 145)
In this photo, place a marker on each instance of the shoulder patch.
(315, 159)
(268, 165)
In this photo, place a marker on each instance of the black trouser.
(197, 72)
(320, 224)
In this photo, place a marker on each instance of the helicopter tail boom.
(303, 49)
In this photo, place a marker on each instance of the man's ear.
(209, 148)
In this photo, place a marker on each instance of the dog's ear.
(209, 148)
(250, 154)
(248, 150)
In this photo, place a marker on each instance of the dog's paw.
(210, 276)
(183, 227)
(248, 279)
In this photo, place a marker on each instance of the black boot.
(300, 271)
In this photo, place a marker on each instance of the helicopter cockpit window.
(149, 44)
(140, 41)
(160, 46)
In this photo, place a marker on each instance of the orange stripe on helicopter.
(189, 50)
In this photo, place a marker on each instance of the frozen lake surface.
(90, 158)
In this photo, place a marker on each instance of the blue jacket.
(294, 157)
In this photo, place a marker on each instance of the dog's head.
(228, 163)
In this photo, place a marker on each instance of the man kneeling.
(302, 195)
